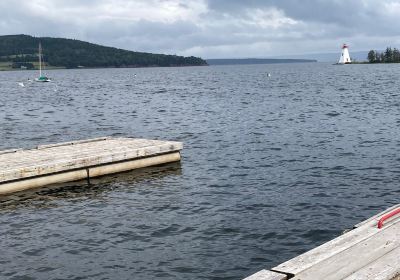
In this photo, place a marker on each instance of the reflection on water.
(49, 196)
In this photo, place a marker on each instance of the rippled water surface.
(271, 167)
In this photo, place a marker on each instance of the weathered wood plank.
(67, 156)
(329, 249)
(29, 183)
(72, 143)
(385, 268)
(9, 151)
(326, 250)
(354, 258)
(354, 254)
(26, 156)
(117, 153)
(266, 275)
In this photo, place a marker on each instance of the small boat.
(41, 78)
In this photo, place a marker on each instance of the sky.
(211, 28)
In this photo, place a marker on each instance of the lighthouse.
(345, 56)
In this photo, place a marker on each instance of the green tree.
(388, 55)
(396, 55)
(372, 56)
(381, 57)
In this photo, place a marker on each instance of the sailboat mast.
(41, 77)
(40, 59)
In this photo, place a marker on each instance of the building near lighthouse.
(345, 56)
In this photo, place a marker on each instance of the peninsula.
(21, 51)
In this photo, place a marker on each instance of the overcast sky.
(211, 28)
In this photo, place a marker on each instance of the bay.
(271, 167)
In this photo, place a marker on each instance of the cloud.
(211, 28)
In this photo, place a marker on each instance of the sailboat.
(41, 78)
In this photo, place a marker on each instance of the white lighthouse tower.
(345, 56)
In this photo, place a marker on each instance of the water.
(272, 167)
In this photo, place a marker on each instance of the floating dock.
(371, 250)
(71, 161)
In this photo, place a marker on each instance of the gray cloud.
(211, 28)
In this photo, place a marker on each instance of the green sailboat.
(42, 78)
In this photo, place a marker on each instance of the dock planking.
(69, 161)
(386, 267)
(365, 252)
(267, 274)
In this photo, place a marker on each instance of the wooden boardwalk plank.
(28, 156)
(354, 258)
(308, 259)
(266, 275)
(49, 157)
(385, 268)
(9, 151)
(365, 252)
(326, 250)
(72, 142)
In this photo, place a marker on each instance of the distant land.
(330, 57)
(236, 61)
(357, 56)
(21, 51)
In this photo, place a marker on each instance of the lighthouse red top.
(344, 46)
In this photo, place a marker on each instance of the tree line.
(71, 53)
(388, 56)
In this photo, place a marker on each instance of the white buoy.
(268, 74)
(345, 56)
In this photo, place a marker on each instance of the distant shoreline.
(50, 68)
(366, 63)
(246, 61)
(4, 69)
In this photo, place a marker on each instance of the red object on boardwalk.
(387, 216)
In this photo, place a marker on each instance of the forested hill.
(59, 52)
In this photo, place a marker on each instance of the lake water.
(271, 167)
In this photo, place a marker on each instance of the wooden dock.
(365, 252)
(59, 163)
